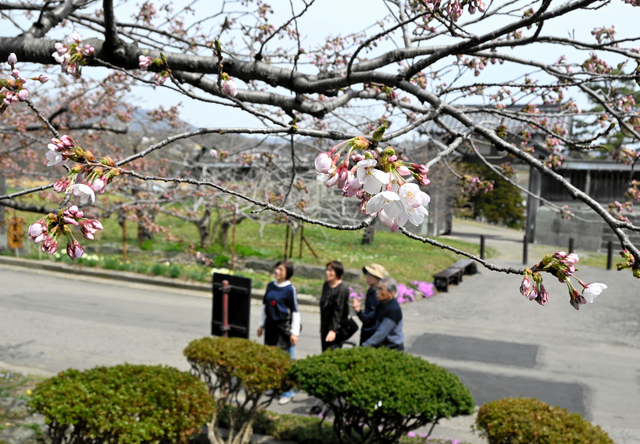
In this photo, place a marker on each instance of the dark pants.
(276, 335)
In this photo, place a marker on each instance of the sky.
(335, 17)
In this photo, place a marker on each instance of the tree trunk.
(143, 233)
(225, 224)
(204, 227)
(369, 233)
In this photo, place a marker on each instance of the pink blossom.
(12, 60)
(230, 88)
(43, 78)
(98, 185)
(403, 170)
(23, 94)
(324, 163)
(36, 229)
(526, 286)
(571, 259)
(145, 62)
(15, 74)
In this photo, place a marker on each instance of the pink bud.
(78, 250)
(15, 74)
(23, 94)
(97, 185)
(97, 225)
(43, 78)
(73, 209)
(403, 170)
(230, 88)
(323, 163)
(36, 229)
(332, 180)
(12, 60)
(40, 238)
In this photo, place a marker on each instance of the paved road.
(497, 342)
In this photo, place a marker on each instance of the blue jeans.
(290, 393)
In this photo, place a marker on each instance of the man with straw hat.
(372, 273)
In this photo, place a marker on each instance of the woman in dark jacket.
(334, 305)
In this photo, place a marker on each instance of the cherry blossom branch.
(258, 56)
(264, 205)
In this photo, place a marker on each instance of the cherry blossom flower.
(372, 179)
(84, 191)
(411, 195)
(54, 158)
(592, 291)
(387, 200)
(416, 215)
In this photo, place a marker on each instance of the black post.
(609, 255)
(525, 250)
(570, 245)
(482, 246)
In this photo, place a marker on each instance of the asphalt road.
(496, 341)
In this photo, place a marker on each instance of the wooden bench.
(453, 274)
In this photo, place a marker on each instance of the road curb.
(303, 299)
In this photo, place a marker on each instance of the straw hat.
(376, 270)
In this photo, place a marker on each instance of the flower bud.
(43, 78)
(230, 88)
(15, 74)
(12, 60)
(23, 94)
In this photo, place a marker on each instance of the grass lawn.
(405, 259)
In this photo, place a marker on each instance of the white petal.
(371, 185)
(376, 203)
(380, 175)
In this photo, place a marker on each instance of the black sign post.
(231, 311)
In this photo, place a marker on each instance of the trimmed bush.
(175, 270)
(378, 395)
(529, 421)
(234, 367)
(158, 269)
(125, 404)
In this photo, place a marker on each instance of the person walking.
(334, 305)
(372, 274)
(388, 317)
(280, 318)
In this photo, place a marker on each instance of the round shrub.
(256, 367)
(237, 368)
(378, 395)
(529, 421)
(125, 404)
(159, 269)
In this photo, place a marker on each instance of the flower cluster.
(88, 176)
(378, 180)
(12, 90)
(50, 228)
(72, 55)
(618, 209)
(163, 74)
(562, 266)
(473, 184)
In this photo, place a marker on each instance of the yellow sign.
(15, 232)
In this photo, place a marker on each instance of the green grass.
(405, 259)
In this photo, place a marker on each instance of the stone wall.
(551, 229)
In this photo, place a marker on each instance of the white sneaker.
(287, 400)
